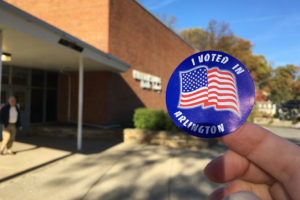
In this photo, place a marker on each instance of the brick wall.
(139, 39)
(125, 30)
(176, 139)
(84, 19)
(95, 92)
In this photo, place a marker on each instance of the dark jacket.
(5, 115)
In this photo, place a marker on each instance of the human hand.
(259, 162)
(20, 128)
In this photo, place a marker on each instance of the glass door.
(44, 89)
(4, 96)
(22, 96)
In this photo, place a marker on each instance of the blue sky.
(272, 25)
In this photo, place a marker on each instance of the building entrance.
(35, 91)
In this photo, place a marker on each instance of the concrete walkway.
(106, 170)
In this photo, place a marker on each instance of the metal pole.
(1, 40)
(80, 103)
(69, 97)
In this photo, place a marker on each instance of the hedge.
(169, 124)
(150, 119)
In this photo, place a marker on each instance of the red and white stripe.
(220, 93)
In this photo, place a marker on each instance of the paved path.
(49, 168)
(27, 157)
(291, 134)
(118, 171)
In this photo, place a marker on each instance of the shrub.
(296, 120)
(254, 113)
(149, 119)
(169, 124)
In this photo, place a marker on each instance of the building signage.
(147, 81)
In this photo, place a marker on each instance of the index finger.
(277, 156)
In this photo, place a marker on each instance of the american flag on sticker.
(205, 87)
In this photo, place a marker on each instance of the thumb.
(243, 195)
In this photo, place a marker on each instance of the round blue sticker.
(210, 94)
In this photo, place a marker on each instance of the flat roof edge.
(179, 36)
(20, 13)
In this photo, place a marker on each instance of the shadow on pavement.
(65, 144)
(89, 146)
(150, 172)
(33, 168)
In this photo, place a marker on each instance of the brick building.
(123, 29)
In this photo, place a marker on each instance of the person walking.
(10, 120)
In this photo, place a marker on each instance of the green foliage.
(196, 36)
(252, 114)
(217, 36)
(296, 87)
(169, 124)
(149, 119)
(283, 86)
(295, 120)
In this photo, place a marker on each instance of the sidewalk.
(108, 172)
(276, 123)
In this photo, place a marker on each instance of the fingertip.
(237, 132)
(245, 138)
(213, 169)
(226, 167)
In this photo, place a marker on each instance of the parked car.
(289, 110)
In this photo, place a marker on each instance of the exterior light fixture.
(6, 57)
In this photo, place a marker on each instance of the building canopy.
(34, 43)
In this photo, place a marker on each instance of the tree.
(169, 21)
(218, 36)
(296, 88)
(196, 37)
(282, 85)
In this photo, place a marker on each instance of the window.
(44, 96)
(20, 76)
(5, 74)
(3, 97)
(37, 78)
(51, 105)
(52, 80)
(37, 103)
